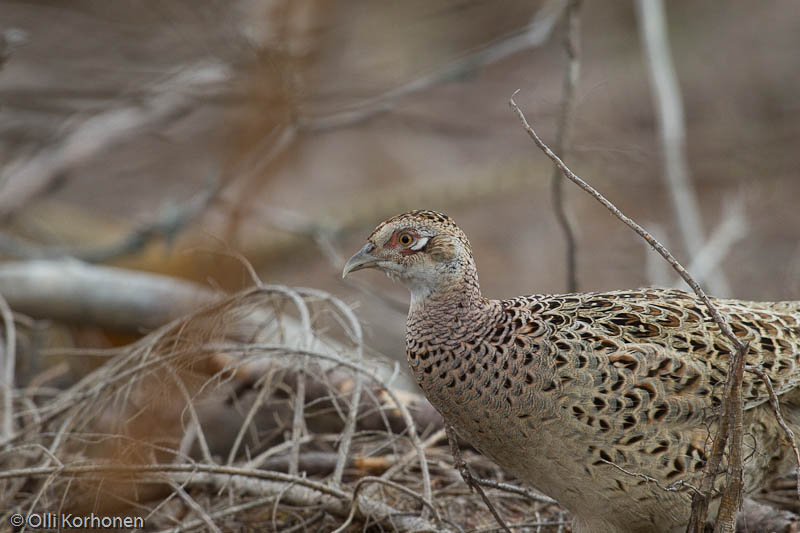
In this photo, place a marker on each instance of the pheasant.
(578, 393)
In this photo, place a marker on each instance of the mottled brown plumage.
(556, 388)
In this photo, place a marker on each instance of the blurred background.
(169, 136)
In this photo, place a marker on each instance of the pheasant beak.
(362, 259)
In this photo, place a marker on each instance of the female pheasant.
(567, 390)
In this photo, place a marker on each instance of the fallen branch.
(77, 293)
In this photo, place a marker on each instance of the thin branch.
(195, 419)
(380, 481)
(264, 390)
(669, 106)
(776, 409)
(732, 406)
(298, 420)
(196, 524)
(9, 359)
(355, 400)
(565, 118)
(463, 469)
(675, 486)
(731, 501)
(570, 175)
(168, 224)
(24, 181)
(534, 34)
(732, 228)
(408, 420)
(659, 274)
(259, 460)
(513, 489)
(10, 40)
(199, 468)
(194, 506)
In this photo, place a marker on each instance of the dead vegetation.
(256, 410)
(264, 408)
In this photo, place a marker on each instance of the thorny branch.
(732, 406)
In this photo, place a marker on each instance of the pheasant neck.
(458, 294)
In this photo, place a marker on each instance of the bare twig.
(571, 74)
(10, 40)
(263, 391)
(732, 405)
(534, 34)
(9, 358)
(195, 420)
(463, 469)
(298, 421)
(403, 461)
(525, 493)
(380, 481)
(355, 398)
(569, 174)
(776, 409)
(405, 415)
(196, 524)
(24, 181)
(198, 468)
(167, 225)
(659, 274)
(675, 486)
(669, 106)
(298, 490)
(194, 506)
(725, 235)
(732, 493)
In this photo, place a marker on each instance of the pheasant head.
(423, 250)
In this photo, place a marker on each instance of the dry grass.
(147, 433)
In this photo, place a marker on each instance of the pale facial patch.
(420, 244)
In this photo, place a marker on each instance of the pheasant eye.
(405, 239)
